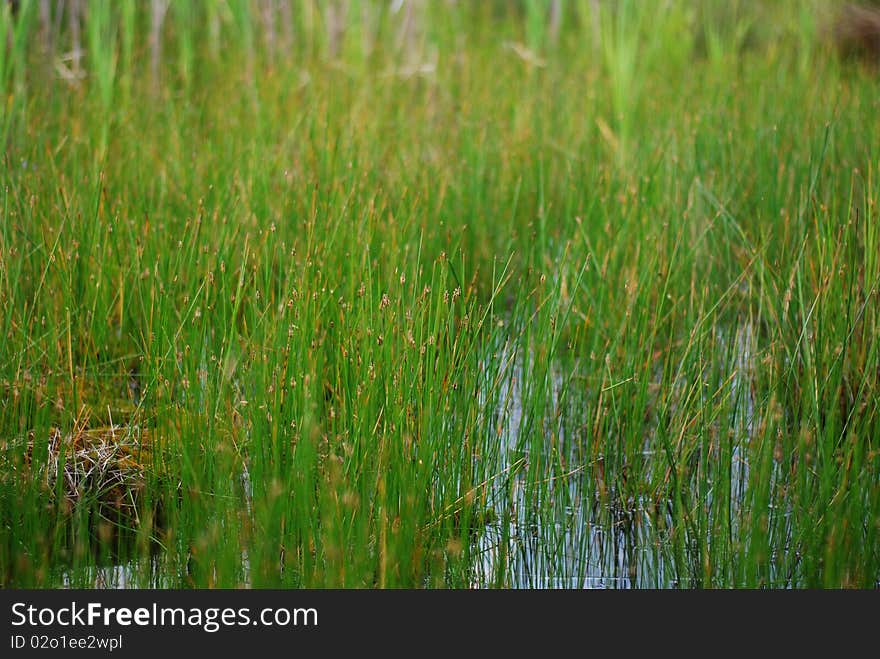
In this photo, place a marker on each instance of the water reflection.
(558, 524)
(555, 521)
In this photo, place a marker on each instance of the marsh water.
(551, 522)
(575, 533)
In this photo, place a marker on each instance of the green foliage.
(362, 294)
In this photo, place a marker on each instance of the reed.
(412, 294)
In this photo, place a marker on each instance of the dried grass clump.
(105, 464)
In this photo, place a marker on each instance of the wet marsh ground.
(456, 296)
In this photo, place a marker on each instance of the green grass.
(479, 301)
